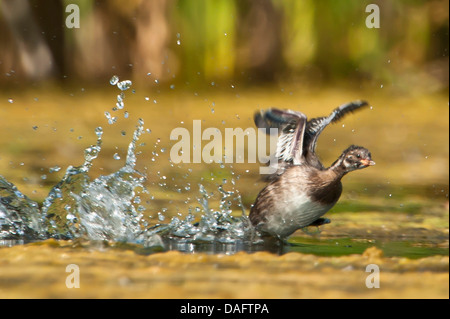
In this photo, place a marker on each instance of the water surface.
(50, 154)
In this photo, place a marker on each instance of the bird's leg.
(320, 221)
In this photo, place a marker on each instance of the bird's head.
(356, 157)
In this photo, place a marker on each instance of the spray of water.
(19, 216)
(107, 208)
(102, 209)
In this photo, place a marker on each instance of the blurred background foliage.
(225, 42)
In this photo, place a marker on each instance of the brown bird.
(302, 189)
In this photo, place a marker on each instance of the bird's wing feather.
(291, 127)
(316, 125)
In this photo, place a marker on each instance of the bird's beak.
(367, 162)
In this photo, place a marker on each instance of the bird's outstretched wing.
(297, 138)
(291, 127)
(316, 125)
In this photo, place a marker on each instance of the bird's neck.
(338, 168)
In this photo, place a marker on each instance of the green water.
(348, 246)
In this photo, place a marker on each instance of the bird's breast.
(292, 212)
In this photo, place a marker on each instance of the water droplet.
(114, 80)
(116, 156)
(54, 169)
(381, 86)
(10, 100)
(111, 119)
(126, 114)
(178, 42)
(124, 85)
(99, 131)
(35, 127)
(147, 98)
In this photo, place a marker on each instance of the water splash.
(109, 207)
(19, 216)
(102, 209)
(215, 226)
